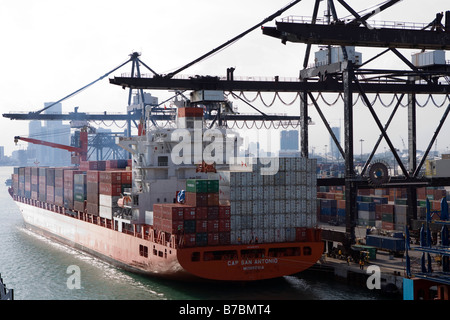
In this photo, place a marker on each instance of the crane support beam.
(215, 83)
(354, 35)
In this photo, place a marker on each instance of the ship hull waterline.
(125, 251)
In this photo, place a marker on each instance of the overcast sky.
(51, 48)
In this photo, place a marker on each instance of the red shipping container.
(59, 200)
(387, 208)
(196, 199)
(111, 164)
(110, 189)
(92, 208)
(111, 177)
(126, 177)
(224, 225)
(387, 225)
(224, 238)
(50, 194)
(213, 199)
(201, 213)
(213, 225)
(189, 239)
(92, 176)
(169, 211)
(300, 234)
(201, 225)
(173, 211)
(213, 213)
(213, 238)
(189, 213)
(224, 212)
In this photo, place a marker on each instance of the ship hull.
(245, 262)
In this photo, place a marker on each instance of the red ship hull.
(141, 253)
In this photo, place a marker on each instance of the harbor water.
(37, 268)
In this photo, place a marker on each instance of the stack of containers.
(387, 216)
(79, 191)
(209, 220)
(15, 180)
(366, 213)
(273, 207)
(50, 185)
(92, 165)
(34, 183)
(168, 217)
(21, 181)
(201, 221)
(328, 209)
(42, 184)
(27, 192)
(110, 189)
(92, 185)
(69, 187)
(59, 186)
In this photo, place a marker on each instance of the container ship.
(168, 212)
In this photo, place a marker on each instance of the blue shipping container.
(386, 243)
(366, 206)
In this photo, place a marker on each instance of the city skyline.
(64, 55)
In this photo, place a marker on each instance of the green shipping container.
(401, 201)
(387, 217)
(213, 186)
(197, 185)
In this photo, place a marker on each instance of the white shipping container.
(235, 222)
(235, 236)
(268, 220)
(108, 201)
(149, 217)
(290, 234)
(258, 235)
(314, 220)
(309, 206)
(266, 193)
(271, 192)
(309, 221)
(268, 235)
(282, 192)
(106, 212)
(246, 235)
(303, 192)
(279, 234)
(277, 207)
(288, 208)
(366, 215)
(288, 192)
(233, 178)
(224, 192)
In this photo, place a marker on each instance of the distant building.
(51, 131)
(289, 140)
(334, 150)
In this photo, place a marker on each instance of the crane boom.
(79, 151)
